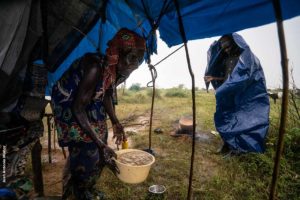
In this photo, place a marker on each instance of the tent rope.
(168, 55)
(284, 104)
(153, 75)
(182, 32)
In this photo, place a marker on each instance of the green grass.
(242, 177)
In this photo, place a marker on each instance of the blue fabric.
(208, 18)
(242, 110)
(7, 193)
(211, 17)
(214, 63)
(85, 164)
(87, 44)
(201, 19)
(118, 15)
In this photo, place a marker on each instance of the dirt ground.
(52, 172)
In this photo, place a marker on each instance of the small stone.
(158, 130)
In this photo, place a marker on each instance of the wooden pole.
(49, 137)
(284, 104)
(182, 32)
(36, 162)
(153, 75)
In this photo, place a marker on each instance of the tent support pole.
(284, 104)
(153, 75)
(36, 161)
(182, 32)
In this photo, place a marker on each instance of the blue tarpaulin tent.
(73, 27)
(211, 17)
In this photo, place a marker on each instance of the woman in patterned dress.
(81, 99)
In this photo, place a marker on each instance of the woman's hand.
(108, 155)
(119, 133)
(211, 78)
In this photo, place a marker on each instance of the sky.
(263, 42)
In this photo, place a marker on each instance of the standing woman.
(81, 99)
(242, 102)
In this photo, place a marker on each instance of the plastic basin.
(133, 174)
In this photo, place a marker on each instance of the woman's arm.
(92, 74)
(117, 127)
(85, 94)
(109, 108)
(213, 78)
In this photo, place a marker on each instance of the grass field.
(244, 177)
(215, 177)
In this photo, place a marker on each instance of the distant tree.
(181, 86)
(135, 87)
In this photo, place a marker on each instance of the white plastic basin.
(133, 174)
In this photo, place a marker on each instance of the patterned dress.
(85, 162)
(64, 91)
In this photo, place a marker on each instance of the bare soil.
(52, 172)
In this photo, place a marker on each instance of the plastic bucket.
(133, 174)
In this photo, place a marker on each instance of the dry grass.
(215, 177)
(172, 154)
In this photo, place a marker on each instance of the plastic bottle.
(125, 144)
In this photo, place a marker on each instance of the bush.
(176, 92)
(137, 98)
(181, 86)
(157, 93)
(135, 87)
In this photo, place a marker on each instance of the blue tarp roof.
(210, 18)
(201, 19)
